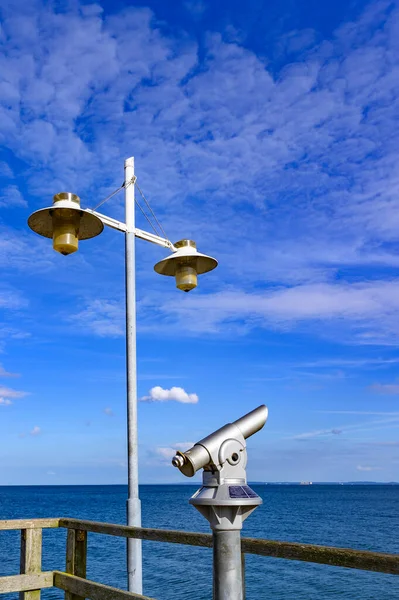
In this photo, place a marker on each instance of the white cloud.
(347, 363)
(12, 299)
(311, 150)
(183, 445)
(5, 170)
(368, 468)
(11, 196)
(25, 251)
(178, 394)
(108, 411)
(390, 421)
(101, 317)
(36, 431)
(319, 433)
(385, 388)
(369, 311)
(109, 81)
(8, 394)
(5, 401)
(5, 373)
(168, 452)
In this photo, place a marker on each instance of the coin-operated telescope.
(224, 499)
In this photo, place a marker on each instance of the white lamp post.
(67, 223)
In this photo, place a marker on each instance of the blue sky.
(267, 132)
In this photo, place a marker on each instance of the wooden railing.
(73, 580)
(32, 579)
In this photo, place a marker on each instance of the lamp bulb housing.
(186, 278)
(65, 230)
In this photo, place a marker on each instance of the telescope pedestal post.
(225, 499)
(226, 503)
(227, 570)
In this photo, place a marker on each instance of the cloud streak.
(7, 395)
(385, 388)
(368, 468)
(168, 452)
(102, 318)
(5, 373)
(390, 420)
(369, 310)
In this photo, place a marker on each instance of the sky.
(268, 133)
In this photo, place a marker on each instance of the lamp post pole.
(134, 562)
(67, 223)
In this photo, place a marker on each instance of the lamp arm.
(143, 235)
(155, 239)
(108, 221)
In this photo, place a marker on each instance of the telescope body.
(209, 452)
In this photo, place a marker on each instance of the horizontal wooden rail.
(28, 524)
(327, 555)
(91, 589)
(340, 557)
(142, 533)
(25, 583)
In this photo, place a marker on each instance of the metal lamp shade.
(185, 264)
(66, 222)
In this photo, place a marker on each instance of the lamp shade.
(185, 264)
(66, 222)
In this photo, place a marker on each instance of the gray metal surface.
(252, 421)
(217, 449)
(227, 568)
(134, 560)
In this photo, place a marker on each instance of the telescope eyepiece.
(178, 461)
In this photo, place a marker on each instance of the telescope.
(224, 499)
(226, 445)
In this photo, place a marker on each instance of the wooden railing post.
(31, 558)
(76, 557)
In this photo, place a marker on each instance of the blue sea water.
(364, 517)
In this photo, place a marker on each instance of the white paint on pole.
(134, 561)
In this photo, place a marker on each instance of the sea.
(353, 516)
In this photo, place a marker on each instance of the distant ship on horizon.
(306, 483)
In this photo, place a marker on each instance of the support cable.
(148, 219)
(152, 212)
(110, 196)
(159, 230)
